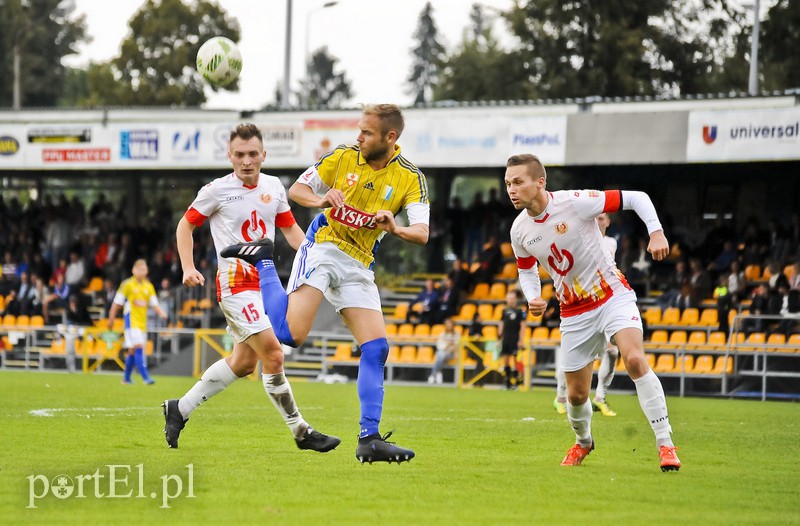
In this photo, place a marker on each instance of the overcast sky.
(371, 38)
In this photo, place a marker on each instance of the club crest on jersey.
(561, 228)
(351, 179)
(353, 217)
(266, 198)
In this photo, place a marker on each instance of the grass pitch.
(483, 457)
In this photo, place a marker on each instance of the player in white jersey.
(558, 230)
(608, 362)
(243, 206)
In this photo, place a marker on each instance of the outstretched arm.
(304, 195)
(294, 235)
(185, 242)
(640, 203)
(416, 233)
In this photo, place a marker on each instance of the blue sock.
(129, 363)
(370, 384)
(141, 364)
(276, 301)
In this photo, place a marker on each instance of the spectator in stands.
(788, 306)
(56, 299)
(75, 274)
(737, 282)
(106, 296)
(777, 278)
(759, 306)
(40, 292)
(685, 299)
(700, 281)
(77, 319)
(58, 237)
(449, 301)
(166, 298)
(60, 271)
(425, 308)
(460, 276)
(794, 283)
(724, 302)
(22, 297)
(724, 260)
(8, 273)
(489, 261)
(511, 336)
(446, 348)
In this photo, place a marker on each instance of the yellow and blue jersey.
(352, 227)
(136, 297)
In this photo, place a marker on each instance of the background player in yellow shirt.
(360, 188)
(135, 294)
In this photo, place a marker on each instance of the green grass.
(483, 457)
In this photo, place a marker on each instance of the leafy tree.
(156, 65)
(41, 32)
(324, 87)
(780, 42)
(479, 69)
(428, 55)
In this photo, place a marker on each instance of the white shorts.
(584, 337)
(134, 338)
(344, 281)
(245, 314)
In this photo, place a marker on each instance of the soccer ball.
(219, 61)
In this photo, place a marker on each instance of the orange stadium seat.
(405, 330)
(394, 354)
(543, 275)
(555, 335)
(480, 292)
(391, 330)
(704, 364)
(723, 364)
(486, 311)
(37, 321)
(422, 330)
(717, 340)
(498, 311)
(540, 334)
(547, 291)
(690, 316)
(506, 250)
(709, 318)
(425, 354)
(436, 330)
(489, 332)
(497, 291)
(671, 316)
(665, 363)
(658, 340)
(677, 339)
(696, 340)
(752, 272)
(650, 357)
(775, 343)
(686, 363)
(652, 315)
(400, 311)
(509, 271)
(408, 354)
(794, 342)
(343, 353)
(9, 320)
(466, 312)
(23, 321)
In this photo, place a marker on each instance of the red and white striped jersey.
(239, 213)
(565, 240)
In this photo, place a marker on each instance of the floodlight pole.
(287, 57)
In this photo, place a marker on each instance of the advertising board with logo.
(745, 135)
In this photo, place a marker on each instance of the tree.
(40, 32)
(479, 69)
(780, 40)
(324, 87)
(156, 65)
(428, 56)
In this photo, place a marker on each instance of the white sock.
(580, 418)
(654, 404)
(214, 381)
(606, 373)
(561, 379)
(280, 392)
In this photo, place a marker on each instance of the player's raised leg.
(367, 326)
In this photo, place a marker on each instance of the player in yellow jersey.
(135, 295)
(360, 188)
